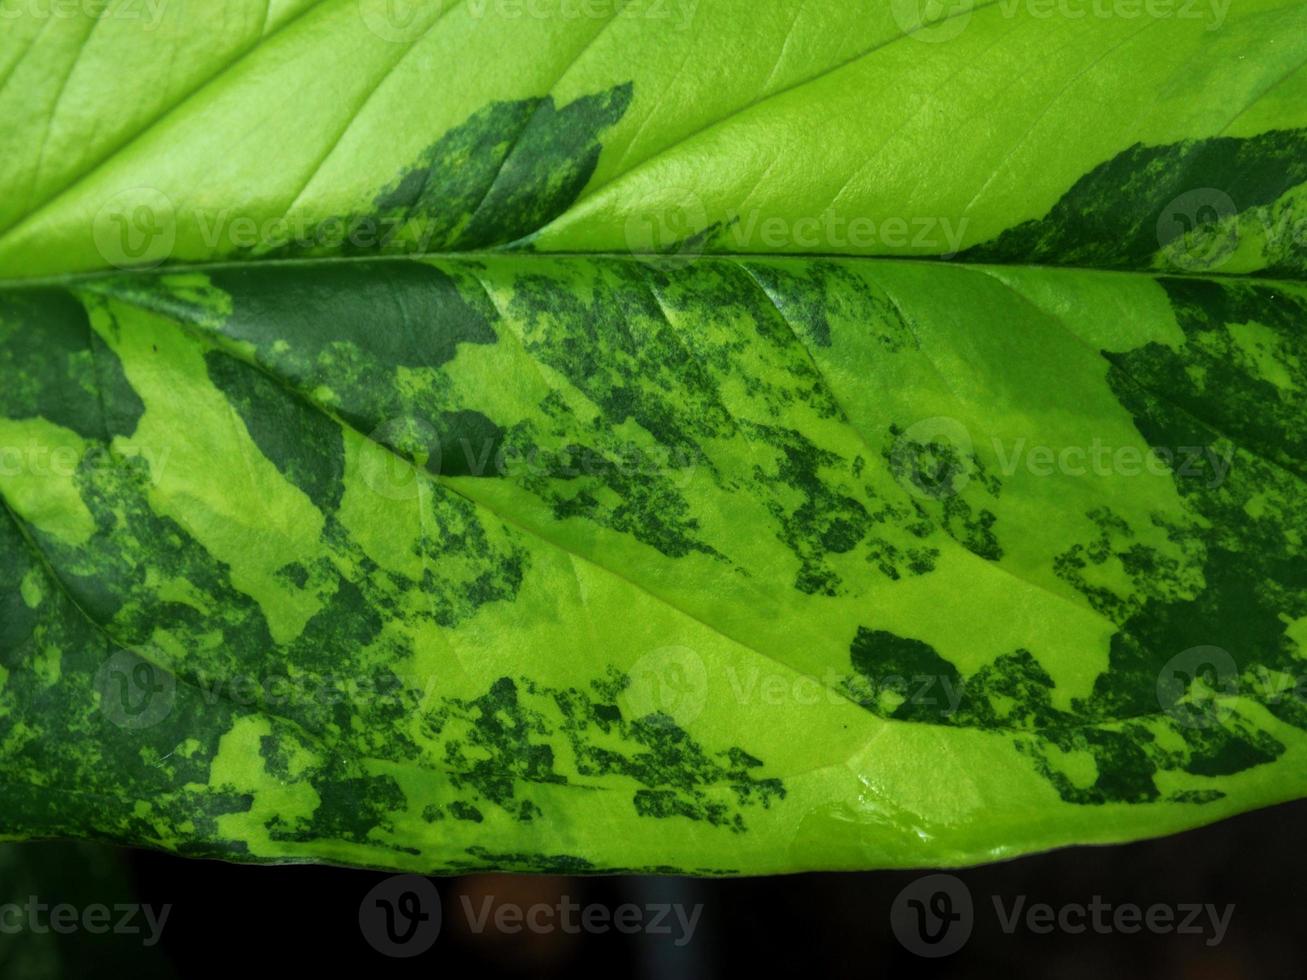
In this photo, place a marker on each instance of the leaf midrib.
(73, 280)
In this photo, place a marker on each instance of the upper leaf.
(1131, 136)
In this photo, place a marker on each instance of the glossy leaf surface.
(567, 461)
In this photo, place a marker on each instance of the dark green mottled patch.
(1235, 390)
(310, 455)
(57, 368)
(493, 180)
(821, 291)
(825, 522)
(948, 484)
(351, 806)
(903, 669)
(358, 335)
(1110, 217)
(396, 314)
(695, 354)
(497, 747)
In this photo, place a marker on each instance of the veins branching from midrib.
(422, 474)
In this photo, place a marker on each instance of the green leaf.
(496, 439)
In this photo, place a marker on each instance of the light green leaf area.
(469, 478)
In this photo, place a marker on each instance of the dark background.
(229, 920)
